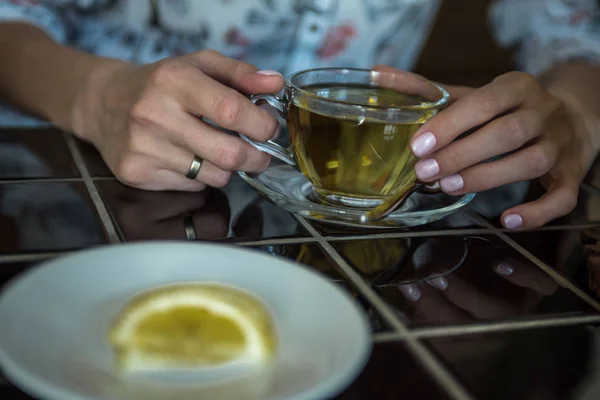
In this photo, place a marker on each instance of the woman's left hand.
(514, 117)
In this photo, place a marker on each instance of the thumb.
(411, 83)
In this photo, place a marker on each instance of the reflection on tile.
(403, 260)
(209, 215)
(253, 217)
(543, 364)
(392, 374)
(477, 288)
(309, 254)
(312, 255)
(35, 153)
(47, 216)
(146, 215)
(459, 220)
(590, 240)
(574, 253)
(93, 160)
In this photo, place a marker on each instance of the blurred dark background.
(461, 49)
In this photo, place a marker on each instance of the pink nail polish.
(513, 221)
(452, 183)
(423, 144)
(505, 269)
(268, 72)
(439, 283)
(426, 169)
(411, 292)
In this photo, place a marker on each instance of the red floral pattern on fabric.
(336, 40)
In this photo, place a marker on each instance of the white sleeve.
(42, 14)
(546, 32)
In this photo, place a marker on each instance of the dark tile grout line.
(559, 320)
(452, 232)
(55, 180)
(396, 235)
(31, 257)
(116, 226)
(267, 242)
(554, 274)
(487, 327)
(40, 180)
(109, 227)
(422, 355)
(505, 326)
(387, 337)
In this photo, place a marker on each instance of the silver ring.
(194, 168)
(190, 229)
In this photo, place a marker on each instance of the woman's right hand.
(146, 120)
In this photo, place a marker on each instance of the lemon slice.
(193, 325)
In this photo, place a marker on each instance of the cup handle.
(271, 147)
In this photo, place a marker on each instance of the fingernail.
(505, 269)
(423, 144)
(426, 169)
(513, 221)
(411, 292)
(439, 283)
(268, 72)
(452, 183)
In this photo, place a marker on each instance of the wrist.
(574, 84)
(90, 102)
(585, 123)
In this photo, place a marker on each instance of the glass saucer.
(288, 188)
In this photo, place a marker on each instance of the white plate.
(54, 319)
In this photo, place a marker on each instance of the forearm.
(577, 84)
(43, 77)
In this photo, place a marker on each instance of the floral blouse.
(290, 35)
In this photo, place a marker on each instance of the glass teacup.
(350, 131)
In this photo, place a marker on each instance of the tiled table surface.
(475, 334)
